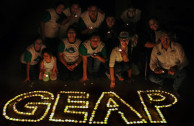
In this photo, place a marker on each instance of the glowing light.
(151, 93)
(82, 95)
(30, 106)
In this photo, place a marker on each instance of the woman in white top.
(48, 67)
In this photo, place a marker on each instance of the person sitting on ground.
(31, 58)
(93, 53)
(168, 60)
(48, 66)
(68, 52)
(119, 61)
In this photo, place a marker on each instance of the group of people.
(79, 43)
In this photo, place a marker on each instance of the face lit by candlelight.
(60, 8)
(95, 40)
(47, 57)
(165, 40)
(153, 24)
(124, 42)
(131, 12)
(71, 34)
(74, 8)
(38, 44)
(93, 12)
(110, 21)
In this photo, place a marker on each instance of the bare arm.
(55, 65)
(84, 78)
(101, 59)
(42, 67)
(27, 72)
(62, 59)
(150, 44)
(112, 77)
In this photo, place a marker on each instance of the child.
(48, 67)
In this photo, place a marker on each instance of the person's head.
(93, 12)
(46, 54)
(59, 7)
(75, 8)
(95, 40)
(38, 43)
(71, 34)
(110, 21)
(124, 38)
(131, 11)
(153, 24)
(166, 38)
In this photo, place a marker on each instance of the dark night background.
(19, 21)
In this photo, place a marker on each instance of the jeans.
(178, 78)
(93, 65)
(121, 67)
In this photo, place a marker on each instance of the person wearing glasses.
(93, 52)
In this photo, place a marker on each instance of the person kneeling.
(48, 67)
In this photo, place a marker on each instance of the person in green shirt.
(68, 53)
(49, 26)
(93, 52)
(31, 58)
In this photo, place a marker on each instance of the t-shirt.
(115, 56)
(86, 49)
(47, 17)
(70, 50)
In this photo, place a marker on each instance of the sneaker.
(108, 75)
(120, 77)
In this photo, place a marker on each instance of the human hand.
(159, 71)
(83, 79)
(27, 79)
(123, 53)
(112, 84)
(69, 67)
(172, 71)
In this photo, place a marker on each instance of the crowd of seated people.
(78, 43)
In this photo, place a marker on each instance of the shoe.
(108, 75)
(120, 77)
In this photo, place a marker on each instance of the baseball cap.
(124, 35)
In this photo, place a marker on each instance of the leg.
(156, 78)
(180, 76)
(96, 65)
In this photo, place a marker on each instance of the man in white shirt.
(168, 60)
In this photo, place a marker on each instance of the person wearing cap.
(91, 20)
(168, 60)
(119, 60)
(93, 52)
(31, 58)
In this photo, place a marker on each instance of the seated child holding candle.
(48, 67)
